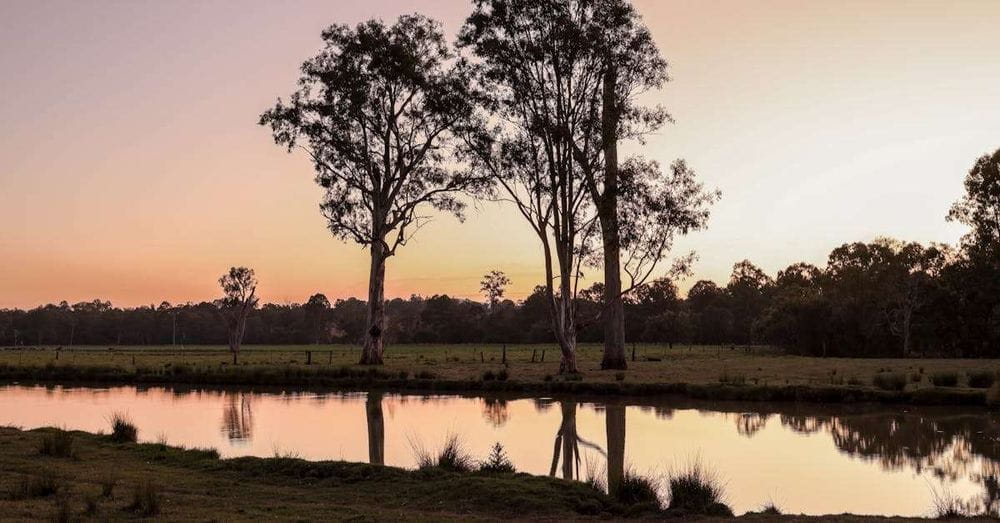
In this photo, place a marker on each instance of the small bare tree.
(239, 287)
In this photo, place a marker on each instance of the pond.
(809, 459)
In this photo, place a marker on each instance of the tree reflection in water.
(237, 417)
(495, 411)
(568, 441)
(376, 428)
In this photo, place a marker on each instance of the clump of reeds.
(122, 428)
(145, 499)
(42, 485)
(58, 444)
(451, 457)
(695, 490)
(634, 488)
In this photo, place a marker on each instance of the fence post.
(309, 357)
(543, 355)
(482, 357)
(533, 351)
(633, 352)
(331, 357)
(503, 358)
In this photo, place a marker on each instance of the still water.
(808, 459)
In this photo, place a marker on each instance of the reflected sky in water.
(807, 458)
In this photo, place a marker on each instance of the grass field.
(93, 478)
(653, 364)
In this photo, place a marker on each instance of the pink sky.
(132, 168)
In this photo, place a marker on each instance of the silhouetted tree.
(239, 288)
(376, 111)
(493, 286)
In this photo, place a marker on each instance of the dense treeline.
(885, 298)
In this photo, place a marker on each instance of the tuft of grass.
(107, 481)
(489, 376)
(452, 456)
(732, 378)
(122, 428)
(596, 478)
(634, 489)
(497, 462)
(425, 375)
(145, 499)
(944, 379)
(946, 505)
(695, 490)
(982, 379)
(770, 508)
(619, 376)
(37, 486)
(503, 374)
(890, 381)
(58, 444)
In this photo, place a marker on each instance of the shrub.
(770, 508)
(695, 490)
(489, 376)
(502, 374)
(634, 489)
(58, 444)
(944, 379)
(425, 375)
(619, 376)
(122, 429)
(145, 499)
(497, 462)
(982, 379)
(890, 381)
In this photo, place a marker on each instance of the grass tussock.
(770, 508)
(696, 490)
(497, 462)
(108, 481)
(944, 379)
(58, 444)
(635, 489)
(982, 379)
(39, 485)
(452, 456)
(146, 500)
(890, 381)
(122, 428)
(732, 378)
(946, 505)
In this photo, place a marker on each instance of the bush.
(944, 379)
(695, 490)
(58, 444)
(502, 374)
(145, 499)
(497, 462)
(122, 429)
(890, 381)
(982, 379)
(489, 376)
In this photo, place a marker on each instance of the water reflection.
(816, 459)
(376, 428)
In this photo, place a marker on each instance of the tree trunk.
(371, 353)
(614, 307)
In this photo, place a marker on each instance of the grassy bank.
(700, 372)
(75, 475)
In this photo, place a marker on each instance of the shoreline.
(354, 378)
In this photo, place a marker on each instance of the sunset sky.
(132, 168)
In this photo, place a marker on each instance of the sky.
(132, 168)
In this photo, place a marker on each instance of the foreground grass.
(706, 372)
(103, 480)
